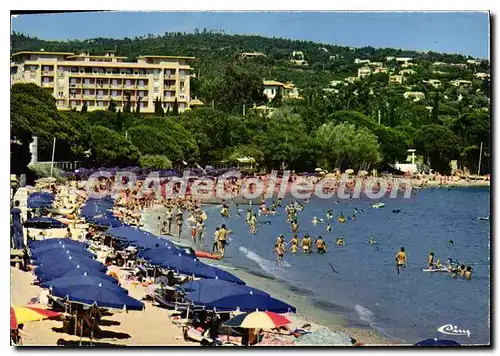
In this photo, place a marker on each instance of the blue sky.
(452, 32)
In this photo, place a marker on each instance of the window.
(100, 92)
(115, 81)
(100, 103)
(61, 93)
(114, 93)
(86, 92)
(182, 86)
(46, 79)
(128, 82)
(141, 83)
(73, 103)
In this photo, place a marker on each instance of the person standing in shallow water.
(401, 259)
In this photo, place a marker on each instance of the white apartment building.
(75, 79)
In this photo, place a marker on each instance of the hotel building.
(75, 79)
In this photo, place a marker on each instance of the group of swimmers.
(453, 267)
(306, 243)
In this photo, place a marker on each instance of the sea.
(359, 280)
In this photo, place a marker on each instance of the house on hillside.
(252, 54)
(482, 75)
(196, 103)
(408, 64)
(473, 62)
(351, 79)
(361, 61)
(287, 90)
(459, 65)
(380, 70)
(415, 95)
(375, 64)
(436, 83)
(403, 59)
(298, 58)
(364, 72)
(390, 58)
(396, 79)
(461, 83)
(407, 72)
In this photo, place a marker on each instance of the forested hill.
(215, 51)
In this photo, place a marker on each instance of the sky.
(450, 32)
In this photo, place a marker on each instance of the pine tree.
(127, 107)
(175, 108)
(158, 109)
(119, 121)
(435, 109)
(84, 108)
(112, 106)
(138, 107)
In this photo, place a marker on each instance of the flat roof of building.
(273, 82)
(168, 57)
(43, 52)
(92, 56)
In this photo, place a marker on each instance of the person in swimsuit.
(279, 253)
(468, 273)
(223, 232)
(320, 245)
(178, 220)
(306, 244)
(329, 227)
(295, 242)
(401, 259)
(372, 241)
(430, 260)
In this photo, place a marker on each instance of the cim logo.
(449, 329)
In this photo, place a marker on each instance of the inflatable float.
(204, 254)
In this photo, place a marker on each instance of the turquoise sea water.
(367, 291)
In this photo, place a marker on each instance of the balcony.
(89, 85)
(75, 97)
(47, 84)
(130, 86)
(143, 87)
(169, 99)
(144, 98)
(102, 97)
(89, 96)
(170, 87)
(169, 76)
(48, 72)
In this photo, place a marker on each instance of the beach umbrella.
(192, 266)
(349, 171)
(362, 173)
(206, 290)
(104, 221)
(98, 296)
(60, 250)
(79, 271)
(159, 254)
(42, 195)
(44, 223)
(437, 342)
(258, 319)
(80, 280)
(22, 315)
(324, 337)
(318, 169)
(55, 242)
(250, 302)
(49, 268)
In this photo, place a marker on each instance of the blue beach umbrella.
(55, 251)
(46, 272)
(206, 290)
(99, 296)
(250, 302)
(105, 221)
(44, 222)
(67, 259)
(192, 266)
(83, 270)
(437, 342)
(34, 245)
(81, 280)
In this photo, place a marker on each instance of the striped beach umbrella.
(258, 319)
(21, 315)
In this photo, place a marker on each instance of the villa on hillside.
(461, 83)
(288, 90)
(473, 62)
(436, 83)
(390, 58)
(407, 72)
(415, 95)
(482, 75)
(396, 79)
(403, 59)
(375, 64)
(380, 70)
(364, 72)
(361, 61)
(252, 54)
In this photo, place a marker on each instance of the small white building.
(407, 72)
(461, 83)
(396, 79)
(482, 75)
(364, 72)
(415, 95)
(403, 59)
(390, 58)
(361, 61)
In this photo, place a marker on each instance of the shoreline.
(285, 291)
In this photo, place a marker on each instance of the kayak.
(435, 270)
(204, 254)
